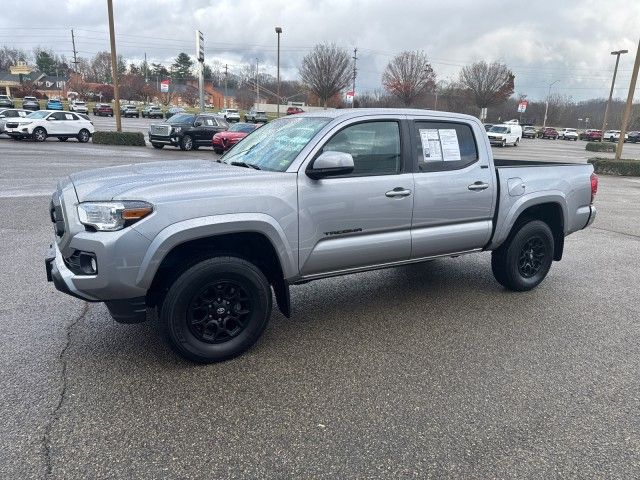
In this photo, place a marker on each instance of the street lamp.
(617, 53)
(278, 32)
(546, 105)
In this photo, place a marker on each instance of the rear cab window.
(442, 146)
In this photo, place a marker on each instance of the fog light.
(88, 263)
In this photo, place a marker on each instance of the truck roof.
(347, 113)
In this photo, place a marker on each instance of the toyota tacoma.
(205, 243)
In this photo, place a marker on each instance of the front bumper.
(128, 310)
(174, 140)
(18, 132)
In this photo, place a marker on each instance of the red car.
(294, 110)
(223, 141)
(548, 132)
(591, 135)
(103, 109)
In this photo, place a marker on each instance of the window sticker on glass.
(450, 145)
(431, 149)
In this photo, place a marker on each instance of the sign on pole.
(164, 86)
(522, 106)
(350, 96)
(200, 45)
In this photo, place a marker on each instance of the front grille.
(11, 124)
(55, 212)
(162, 130)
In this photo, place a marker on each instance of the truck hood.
(107, 183)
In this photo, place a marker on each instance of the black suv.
(187, 131)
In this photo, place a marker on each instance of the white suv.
(47, 123)
(77, 106)
(568, 134)
(613, 136)
(230, 114)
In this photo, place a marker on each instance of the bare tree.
(326, 71)
(488, 84)
(409, 76)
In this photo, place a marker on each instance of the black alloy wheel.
(531, 257)
(216, 309)
(219, 312)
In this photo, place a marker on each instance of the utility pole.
(75, 53)
(617, 53)
(546, 105)
(627, 107)
(146, 69)
(226, 76)
(355, 70)
(257, 84)
(114, 67)
(278, 32)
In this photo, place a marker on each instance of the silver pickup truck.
(304, 197)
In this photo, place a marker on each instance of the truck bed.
(522, 183)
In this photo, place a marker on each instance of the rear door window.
(442, 146)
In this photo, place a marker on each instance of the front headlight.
(112, 216)
(24, 123)
(177, 129)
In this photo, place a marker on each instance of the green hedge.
(609, 166)
(133, 139)
(601, 147)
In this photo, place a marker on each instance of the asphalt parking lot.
(428, 371)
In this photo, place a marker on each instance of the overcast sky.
(541, 42)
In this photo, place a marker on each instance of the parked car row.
(505, 134)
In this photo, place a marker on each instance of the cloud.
(541, 42)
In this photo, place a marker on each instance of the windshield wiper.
(247, 165)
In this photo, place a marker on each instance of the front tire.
(39, 134)
(186, 143)
(216, 310)
(524, 260)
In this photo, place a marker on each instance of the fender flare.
(527, 201)
(211, 226)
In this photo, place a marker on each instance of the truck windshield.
(181, 118)
(498, 129)
(274, 146)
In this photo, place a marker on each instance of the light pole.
(278, 32)
(617, 53)
(546, 105)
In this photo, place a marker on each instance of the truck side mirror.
(197, 124)
(330, 164)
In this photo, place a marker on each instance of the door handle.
(477, 186)
(398, 192)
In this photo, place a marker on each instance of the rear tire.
(216, 310)
(219, 151)
(159, 146)
(84, 135)
(524, 260)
